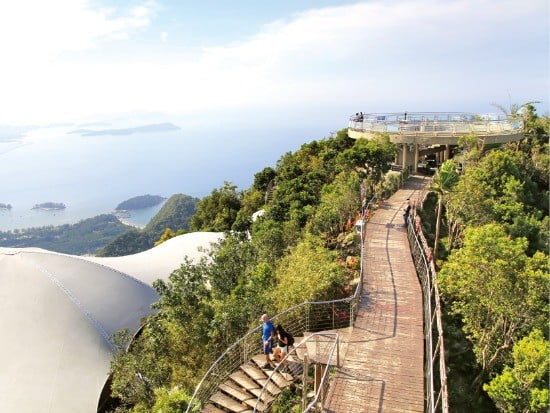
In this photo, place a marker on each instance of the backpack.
(290, 340)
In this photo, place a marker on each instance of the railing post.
(338, 351)
(304, 381)
(333, 316)
(307, 317)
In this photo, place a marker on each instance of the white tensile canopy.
(58, 312)
(160, 261)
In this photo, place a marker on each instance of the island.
(139, 202)
(48, 206)
(5, 206)
(157, 127)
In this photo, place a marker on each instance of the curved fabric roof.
(160, 261)
(57, 313)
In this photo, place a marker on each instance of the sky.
(80, 60)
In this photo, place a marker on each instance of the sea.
(92, 168)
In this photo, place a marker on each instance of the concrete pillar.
(415, 158)
(405, 149)
(438, 158)
(447, 152)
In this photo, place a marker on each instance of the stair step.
(259, 359)
(261, 407)
(254, 372)
(288, 377)
(210, 408)
(266, 397)
(276, 376)
(271, 387)
(234, 392)
(244, 381)
(228, 403)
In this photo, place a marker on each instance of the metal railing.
(321, 387)
(433, 123)
(435, 372)
(305, 317)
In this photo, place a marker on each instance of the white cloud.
(39, 31)
(387, 55)
(164, 36)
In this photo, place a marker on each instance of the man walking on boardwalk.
(268, 331)
(407, 210)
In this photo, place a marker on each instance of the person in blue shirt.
(268, 332)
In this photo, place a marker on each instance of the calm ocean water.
(92, 174)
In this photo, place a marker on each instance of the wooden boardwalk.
(382, 370)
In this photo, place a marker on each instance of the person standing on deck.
(268, 331)
(407, 210)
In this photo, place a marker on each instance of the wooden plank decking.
(382, 370)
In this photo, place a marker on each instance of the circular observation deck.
(435, 128)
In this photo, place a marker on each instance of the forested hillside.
(84, 237)
(493, 259)
(138, 202)
(295, 252)
(175, 214)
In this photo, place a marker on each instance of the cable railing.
(320, 359)
(310, 317)
(434, 123)
(435, 372)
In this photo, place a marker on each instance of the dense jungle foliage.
(141, 201)
(493, 260)
(294, 252)
(84, 237)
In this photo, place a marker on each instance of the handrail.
(430, 123)
(322, 382)
(423, 258)
(383, 117)
(353, 300)
(294, 350)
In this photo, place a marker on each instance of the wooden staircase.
(240, 392)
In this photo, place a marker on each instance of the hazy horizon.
(245, 81)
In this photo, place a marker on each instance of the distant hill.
(157, 127)
(138, 202)
(84, 237)
(174, 214)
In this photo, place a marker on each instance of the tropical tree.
(217, 211)
(168, 233)
(513, 109)
(523, 387)
(499, 291)
(444, 181)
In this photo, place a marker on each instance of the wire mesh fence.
(435, 373)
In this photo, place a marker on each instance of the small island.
(5, 206)
(49, 206)
(139, 202)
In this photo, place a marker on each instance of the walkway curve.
(382, 370)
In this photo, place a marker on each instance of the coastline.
(128, 223)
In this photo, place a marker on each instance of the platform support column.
(405, 148)
(415, 158)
